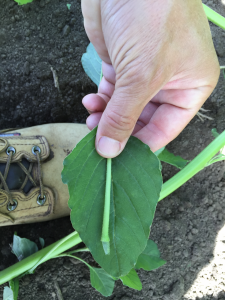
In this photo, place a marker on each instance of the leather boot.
(31, 162)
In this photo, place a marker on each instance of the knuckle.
(120, 122)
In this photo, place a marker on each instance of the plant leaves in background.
(150, 258)
(159, 151)
(172, 159)
(22, 2)
(136, 185)
(22, 247)
(101, 281)
(42, 242)
(14, 285)
(132, 280)
(7, 293)
(92, 64)
(215, 133)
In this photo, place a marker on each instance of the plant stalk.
(196, 165)
(105, 226)
(214, 17)
(43, 255)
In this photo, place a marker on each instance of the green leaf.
(22, 2)
(150, 258)
(159, 151)
(171, 159)
(135, 187)
(42, 242)
(92, 64)
(22, 247)
(132, 280)
(14, 285)
(215, 133)
(101, 281)
(7, 293)
(68, 6)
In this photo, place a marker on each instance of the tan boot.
(31, 162)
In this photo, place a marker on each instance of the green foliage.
(42, 242)
(132, 280)
(22, 2)
(68, 6)
(135, 187)
(101, 281)
(22, 247)
(172, 159)
(150, 258)
(14, 285)
(7, 293)
(92, 64)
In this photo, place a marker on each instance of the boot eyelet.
(10, 149)
(12, 207)
(36, 148)
(41, 201)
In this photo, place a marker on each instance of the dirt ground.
(189, 225)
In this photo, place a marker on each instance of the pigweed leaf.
(22, 2)
(150, 258)
(23, 247)
(7, 293)
(159, 151)
(215, 133)
(42, 242)
(14, 285)
(102, 281)
(92, 64)
(136, 183)
(172, 159)
(132, 280)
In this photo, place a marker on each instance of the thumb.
(118, 121)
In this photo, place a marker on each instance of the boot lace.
(12, 203)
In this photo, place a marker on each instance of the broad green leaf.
(171, 159)
(101, 281)
(150, 258)
(136, 184)
(42, 242)
(14, 285)
(92, 64)
(215, 133)
(7, 293)
(132, 280)
(22, 247)
(159, 151)
(22, 2)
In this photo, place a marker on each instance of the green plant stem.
(214, 17)
(43, 255)
(196, 165)
(105, 225)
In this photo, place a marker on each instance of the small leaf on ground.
(215, 133)
(7, 293)
(42, 242)
(172, 159)
(23, 247)
(14, 285)
(92, 64)
(135, 187)
(22, 2)
(150, 258)
(132, 280)
(101, 281)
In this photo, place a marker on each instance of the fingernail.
(108, 146)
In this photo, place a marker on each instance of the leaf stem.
(196, 165)
(214, 17)
(26, 264)
(105, 226)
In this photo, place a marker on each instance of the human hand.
(159, 67)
